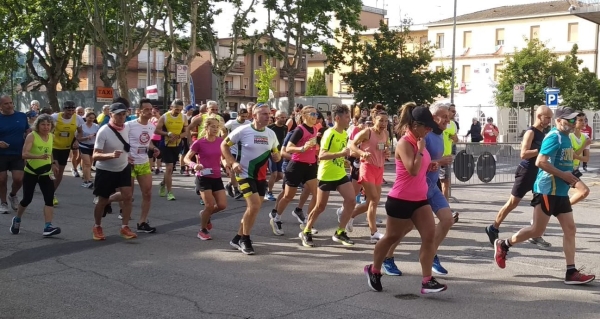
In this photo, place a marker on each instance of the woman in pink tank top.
(301, 169)
(372, 145)
(407, 203)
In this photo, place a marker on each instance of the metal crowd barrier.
(478, 163)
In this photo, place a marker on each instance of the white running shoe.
(376, 237)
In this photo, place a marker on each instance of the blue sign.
(192, 92)
(552, 96)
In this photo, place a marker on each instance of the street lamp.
(453, 55)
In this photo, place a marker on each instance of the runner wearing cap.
(67, 127)
(551, 196)
(113, 171)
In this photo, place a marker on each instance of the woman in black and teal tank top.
(39, 170)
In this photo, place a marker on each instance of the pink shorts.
(370, 173)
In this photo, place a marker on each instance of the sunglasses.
(313, 114)
(571, 121)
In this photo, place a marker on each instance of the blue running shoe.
(51, 231)
(390, 268)
(437, 267)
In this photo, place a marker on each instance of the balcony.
(301, 74)
(238, 67)
(238, 92)
(285, 93)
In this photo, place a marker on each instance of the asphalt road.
(172, 274)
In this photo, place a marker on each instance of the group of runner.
(304, 150)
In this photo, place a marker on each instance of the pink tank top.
(408, 187)
(376, 146)
(155, 137)
(309, 156)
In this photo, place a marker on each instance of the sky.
(420, 13)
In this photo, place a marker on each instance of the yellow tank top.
(64, 132)
(40, 147)
(175, 126)
(577, 145)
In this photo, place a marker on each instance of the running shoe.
(91, 185)
(342, 238)
(15, 226)
(432, 286)
(389, 267)
(235, 242)
(127, 233)
(202, 202)
(313, 230)
(350, 225)
(75, 173)
(162, 191)
(306, 238)
(500, 253)
(120, 216)
(203, 234)
(145, 228)
(299, 214)
(95, 201)
(276, 226)
(51, 231)
(269, 196)
(455, 216)
(97, 232)
(55, 201)
(157, 171)
(170, 196)
(373, 279)
(246, 247)
(229, 190)
(492, 233)
(84, 184)
(437, 267)
(4, 208)
(14, 201)
(540, 242)
(237, 194)
(376, 237)
(578, 278)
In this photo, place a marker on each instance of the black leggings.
(46, 186)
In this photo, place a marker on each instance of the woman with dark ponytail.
(407, 203)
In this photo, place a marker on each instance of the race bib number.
(381, 146)
(206, 171)
(142, 150)
(64, 134)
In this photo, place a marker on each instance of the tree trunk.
(122, 80)
(291, 92)
(52, 92)
(531, 115)
(221, 91)
(185, 88)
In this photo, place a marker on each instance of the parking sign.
(552, 97)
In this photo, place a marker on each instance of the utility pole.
(453, 55)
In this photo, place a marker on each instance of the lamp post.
(453, 55)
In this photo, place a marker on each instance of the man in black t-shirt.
(275, 168)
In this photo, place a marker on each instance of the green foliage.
(316, 84)
(386, 70)
(264, 80)
(304, 25)
(583, 92)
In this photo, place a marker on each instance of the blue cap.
(190, 107)
(32, 114)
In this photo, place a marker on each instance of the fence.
(477, 163)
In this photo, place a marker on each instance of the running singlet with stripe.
(139, 140)
(230, 126)
(408, 187)
(255, 151)
(174, 125)
(557, 146)
(40, 166)
(333, 169)
(536, 143)
(578, 143)
(65, 130)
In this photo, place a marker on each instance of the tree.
(264, 80)
(53, 42)
(316, 84)
(122, 28)
(304, 24)
(386, 70)
(581, 89)
(531, 66)
(222, 63)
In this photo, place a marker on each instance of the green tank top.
(40, 147)
(577, 145)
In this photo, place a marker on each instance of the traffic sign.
(104, 94)
(182, 73)
(152, 92)
(519, 93)
(552, 97)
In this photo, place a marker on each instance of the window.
(141, 82)
(499, 36)
(513, 121)
(260, 58)
(497, 71)
(535, 32)
(573, 32)
(481, 117)
(467, 39)
(245, 83)
(439, 40)
(466, 73)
